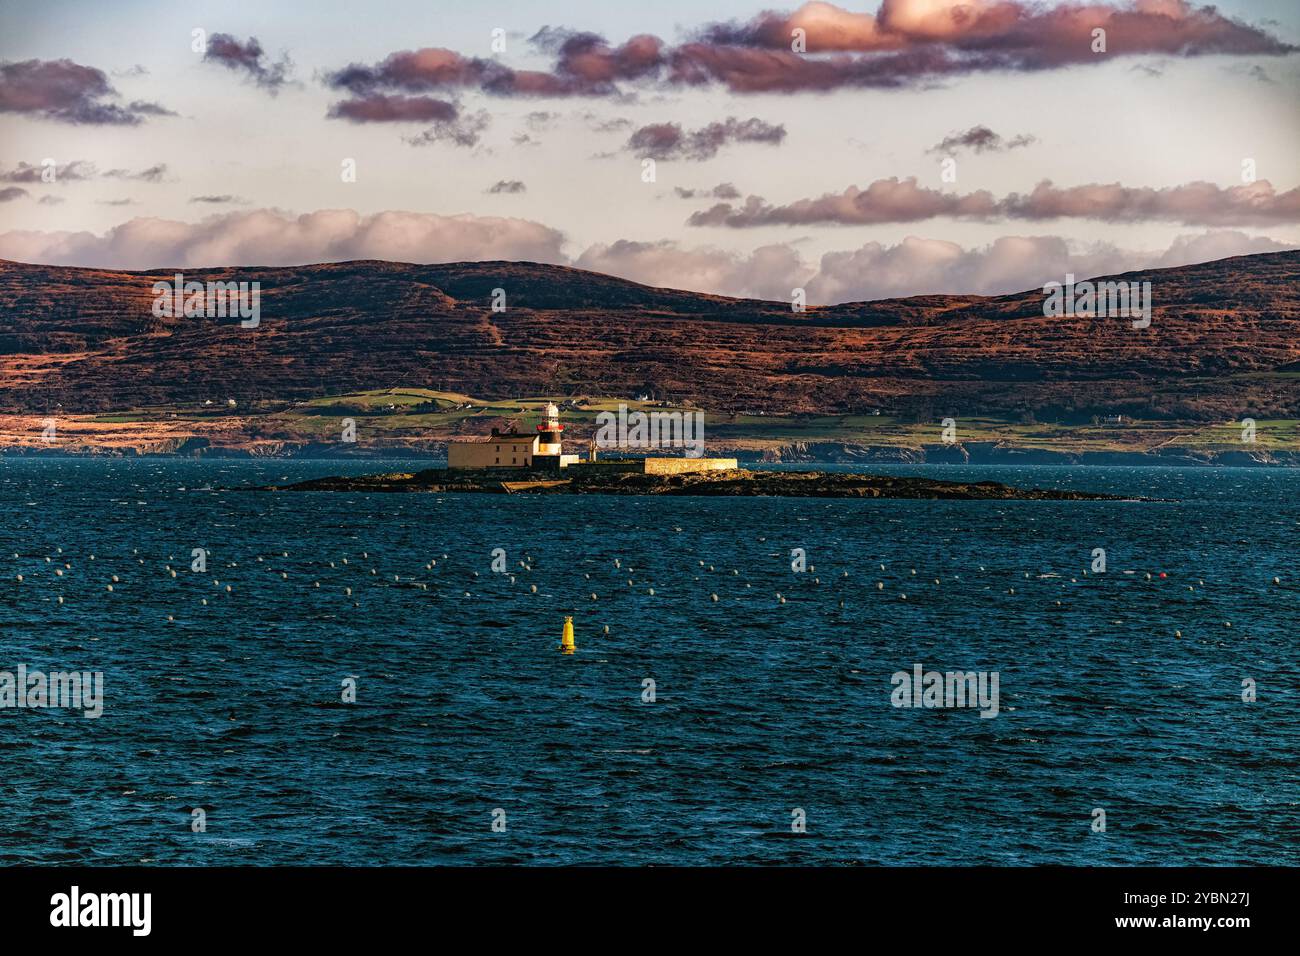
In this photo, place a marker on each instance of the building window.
(498, 461)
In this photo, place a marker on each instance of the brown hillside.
(1224, 341)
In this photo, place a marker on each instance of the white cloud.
(873, 271)
(913, 266)
(273, 238)
(769, 272)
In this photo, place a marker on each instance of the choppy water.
(464, 705)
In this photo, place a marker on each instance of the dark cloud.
(507, 186)
(906, 43)
(894, 201)
(10, 193)
(599, 124)
(585, 66)
(381, 108)
(80, 170)
(980, 139)
(249, 59)
(222, 200)
(50, 200)
(670, 141)
(67, 92)
(1024, 35)
(141, 108)
(720, 191)
(154, 174)
(1253, 71)
(462, 131)
(27, 173)
(117, 202)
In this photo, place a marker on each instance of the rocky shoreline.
(999, 453)
(739, 482)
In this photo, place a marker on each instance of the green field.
(408, 414)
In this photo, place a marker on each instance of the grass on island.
(409, 414)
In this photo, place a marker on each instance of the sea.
(364, 679)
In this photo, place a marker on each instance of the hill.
(1224, 342)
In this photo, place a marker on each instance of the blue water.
(464, 705)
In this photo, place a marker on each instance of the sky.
(908, 147)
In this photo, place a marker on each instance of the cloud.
(885, 200)
(507, 186)
(10, 193)
(980, 139)
(907, 42)
(66, 92)
(79, 170)
(50, 200)
(586, 66)
(381, 108)
(274, 238)
(249, 59)
(460, 131)
(598, 124)
(894, 200)
(154, 174)
(1009, 264)
(720, 191)
(215, 200)
(769, 272)
(1025, 36)
(914, 266)
(1197, 203)
(670, 141)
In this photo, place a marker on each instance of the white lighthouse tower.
(549, 442)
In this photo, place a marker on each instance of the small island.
(538, 465)
(733, 482)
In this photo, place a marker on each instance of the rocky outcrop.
(844, 452)
(999, 453)
(735, 483)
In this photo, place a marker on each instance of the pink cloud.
(895, 200)
(906, 42)
(270, 237)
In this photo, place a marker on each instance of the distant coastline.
(418, 423)
(803, 453)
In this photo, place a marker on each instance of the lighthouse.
(549, 432)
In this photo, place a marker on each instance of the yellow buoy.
(566, 638)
